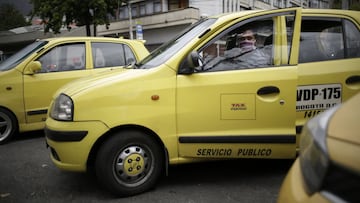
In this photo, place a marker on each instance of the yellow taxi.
(30, 77)
(328, 168)
(237, 85)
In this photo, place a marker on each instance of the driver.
(245, 56)
(246, 41)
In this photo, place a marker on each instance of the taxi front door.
(247, 113)
(60, 65)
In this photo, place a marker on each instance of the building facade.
(156, 21)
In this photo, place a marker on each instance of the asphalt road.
(28, 175)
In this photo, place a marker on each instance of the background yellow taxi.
(30, 77)
(328, 168)
(203, 95)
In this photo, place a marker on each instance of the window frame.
(277, 28)
(345, 40)
(57, 46)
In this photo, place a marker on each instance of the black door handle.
(353, 79)
(268, 90)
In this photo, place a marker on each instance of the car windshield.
(19, 56)
(168, 49)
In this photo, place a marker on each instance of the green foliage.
(58, 13)
(11, 17)
(354, 5)
(336, 4)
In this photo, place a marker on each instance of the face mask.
(247, 45)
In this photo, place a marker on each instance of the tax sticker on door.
(311, 97)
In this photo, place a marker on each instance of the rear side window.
(111, 54)
(324, 39)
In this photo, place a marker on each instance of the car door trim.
(273, 139)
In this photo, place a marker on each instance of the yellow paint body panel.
(75, 151)
(343, 132)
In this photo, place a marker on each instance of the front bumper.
(65, 136)
(70, 143)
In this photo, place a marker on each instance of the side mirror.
(192, 61)
(131, 62)
(32, 68)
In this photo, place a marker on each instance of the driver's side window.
(65, 57)
(241, 47)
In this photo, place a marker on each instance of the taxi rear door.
(247, 113)
(329, 59)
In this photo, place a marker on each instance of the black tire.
(129, 163)
(8, 125)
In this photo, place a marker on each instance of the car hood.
(344, 124)
(100, 79)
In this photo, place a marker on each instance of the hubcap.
(132, 165)
(5, 126)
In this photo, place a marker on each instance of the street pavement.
(28, 175)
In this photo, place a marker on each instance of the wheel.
(8, 125)
(129, 163)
